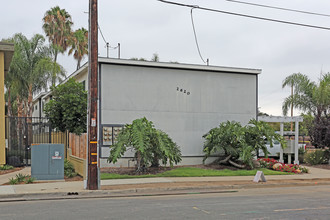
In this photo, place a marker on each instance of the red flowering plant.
(267, 162)
(275, 165)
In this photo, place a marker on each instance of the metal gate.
(22, 132)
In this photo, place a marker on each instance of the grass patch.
(194, 172)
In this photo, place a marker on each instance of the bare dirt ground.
(76, 178)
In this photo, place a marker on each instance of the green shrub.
(13, 181)
(238, 143)
(151, 145)
(21, 177)
(316, 157)
(29, 180)
(69, 169)
(301, 154)
(6, 167)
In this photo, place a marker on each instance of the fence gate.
(22, 132)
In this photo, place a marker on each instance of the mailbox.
(47, 161)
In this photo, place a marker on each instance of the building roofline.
(75, 73)
(194, 67)
(8, 50)
(179, 66)
(40, 95)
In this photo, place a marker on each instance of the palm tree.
(31, 69)
(312, 98)
(50, 71)
(294, 81)
(155, 57)
(57, 26)
(79, 45)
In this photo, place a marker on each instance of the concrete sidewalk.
(121, 187)
(5, 177)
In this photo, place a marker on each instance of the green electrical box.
(47, 161)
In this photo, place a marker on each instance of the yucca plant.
(29, 180)
(150, 145)
(21, 177)
(13, 181)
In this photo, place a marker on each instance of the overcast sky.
(145, 27)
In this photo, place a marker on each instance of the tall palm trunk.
(25, 108)
(29, 105)
(55, 60)
(19, 106)
(29, 114)
(78, 64)
(19, 120)
(292, 106)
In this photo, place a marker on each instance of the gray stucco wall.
(131, 92)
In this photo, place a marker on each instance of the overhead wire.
(102, 34)
(193, 25)
(246, 15)
(107, 44)
(279, 8)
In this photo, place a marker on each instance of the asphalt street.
(312, 202)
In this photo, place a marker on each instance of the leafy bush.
(239, 144)
(20, 178)
(68, 108)
(13, 181)
(267, 162)
(316, 157)
(69, 169)
(151, 145)
(275, 165)
(29, 180)
(6, 167)
(301, 154)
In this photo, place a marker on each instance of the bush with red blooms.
(275, 165)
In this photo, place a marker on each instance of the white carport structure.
(281, 120)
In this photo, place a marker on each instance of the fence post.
(50, 133)
(26, 136)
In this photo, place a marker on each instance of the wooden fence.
(77, 144)
(76, 153)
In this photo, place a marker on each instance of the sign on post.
(259, 175)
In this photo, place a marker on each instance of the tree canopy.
(28, 73)
(314, 99)
(57, 24)
(79, 45)
(151, 145)
(236, 144)
(67, 110)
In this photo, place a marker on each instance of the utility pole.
(92, 175)
(118, 50)
(107, 45)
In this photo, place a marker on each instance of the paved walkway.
(5, 177)
(62, 188)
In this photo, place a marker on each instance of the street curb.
(154, 191)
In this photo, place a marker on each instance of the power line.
(247, 16)
(102, 34)
(193, 25)
(279, 8)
